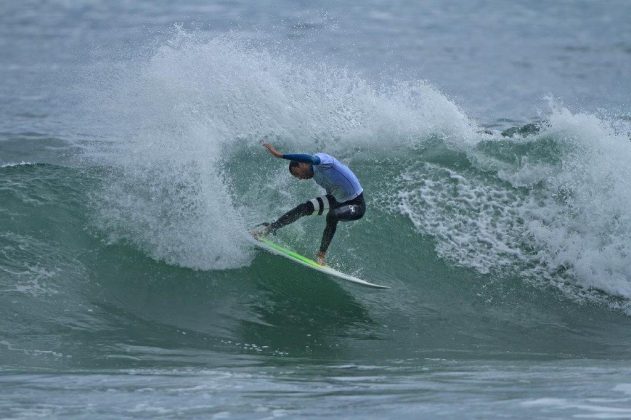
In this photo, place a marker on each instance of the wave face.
(184, 175)
(144, 230)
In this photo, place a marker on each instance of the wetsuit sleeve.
(302, 157)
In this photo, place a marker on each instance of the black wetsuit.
(349, 210)
(338, 180)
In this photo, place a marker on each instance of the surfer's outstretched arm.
(298, 157)
(272, 150)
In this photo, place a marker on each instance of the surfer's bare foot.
(261, 230)
(320, 257)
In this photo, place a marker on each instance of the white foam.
(178, 118)
(473, 222)
(583, 222)
(12, 164)
(561, 216)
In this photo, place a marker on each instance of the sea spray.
(196, 109)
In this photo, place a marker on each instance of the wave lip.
(584, 224)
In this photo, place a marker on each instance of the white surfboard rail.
(276, 249)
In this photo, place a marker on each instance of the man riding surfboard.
(344, 199)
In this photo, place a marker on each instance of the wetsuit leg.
(349, 210)
(329, 232)
(292, 215)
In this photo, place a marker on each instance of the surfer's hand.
(320, 256)
(273, 151)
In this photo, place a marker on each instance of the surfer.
(344, 199)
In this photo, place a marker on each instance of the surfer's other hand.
(272, 150)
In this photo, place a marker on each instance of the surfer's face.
(302, 171)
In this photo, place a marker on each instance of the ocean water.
(493, 141)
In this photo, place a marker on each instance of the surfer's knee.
(321, 205)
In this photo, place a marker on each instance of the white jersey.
(336, 178)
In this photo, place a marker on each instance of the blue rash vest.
(332, 175)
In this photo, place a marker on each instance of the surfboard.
(280, 250)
